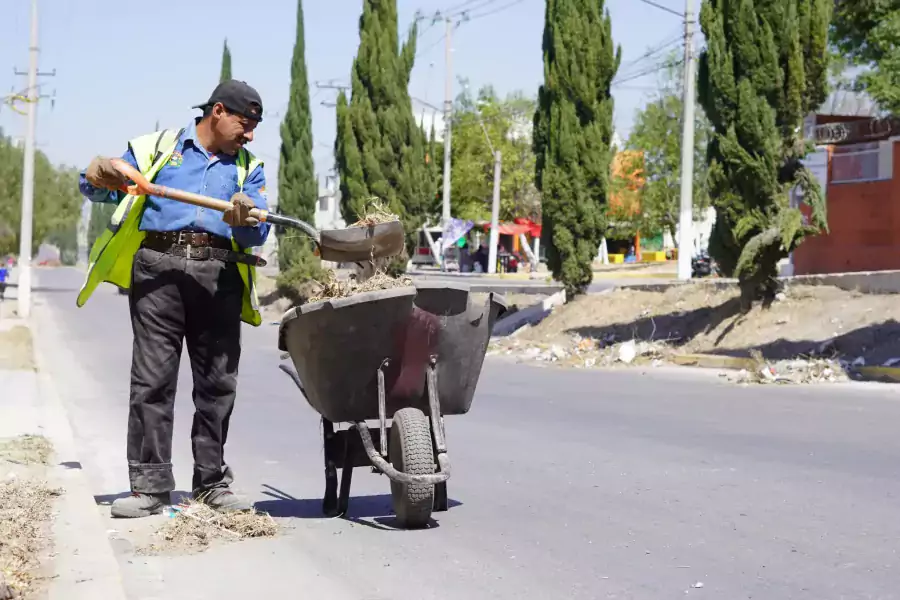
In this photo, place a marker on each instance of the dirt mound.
(701, 318)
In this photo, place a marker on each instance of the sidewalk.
(79, 562)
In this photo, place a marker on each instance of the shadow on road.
(377, 507)
(107, 499)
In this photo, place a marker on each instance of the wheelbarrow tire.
(411, 452)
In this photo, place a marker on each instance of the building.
(328, 206)
(857, 157)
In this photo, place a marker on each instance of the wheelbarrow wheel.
(411, 452)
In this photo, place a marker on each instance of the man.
(4, 274)
(191, 278)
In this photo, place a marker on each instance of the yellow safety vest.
(112, 255)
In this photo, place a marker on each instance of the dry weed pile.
(26, 450)
(377, 214)
(193, 526)
(25, 509)
(333, 288)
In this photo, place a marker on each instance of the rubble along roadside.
(811, 334)
(26, 505)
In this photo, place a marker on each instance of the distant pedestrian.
(4, 275)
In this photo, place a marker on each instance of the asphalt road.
(566, 485)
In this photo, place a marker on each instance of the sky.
(120, 67)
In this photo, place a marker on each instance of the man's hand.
(239, 213)
(102, 174)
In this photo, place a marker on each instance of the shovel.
(353, 244)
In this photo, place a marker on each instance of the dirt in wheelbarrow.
(333, 287)
(377, 214)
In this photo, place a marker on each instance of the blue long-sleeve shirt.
(193, 169)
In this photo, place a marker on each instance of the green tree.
(573, 135)
(380, 150)
(101, 214)
(225, 73)
(764, 69)
(866, 33)
(297, 186)
(57, 202)
(505, 123)
(657, 135)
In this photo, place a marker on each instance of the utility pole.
(448, 114)
(27, 224)
(686, 221)
(495, 216)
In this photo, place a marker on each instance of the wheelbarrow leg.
(441, 500)
(330, 501)
(346, 477)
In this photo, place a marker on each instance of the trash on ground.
(800, 370)
(193, 526)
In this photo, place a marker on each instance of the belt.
(195, 245)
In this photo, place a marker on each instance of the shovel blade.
(358, 244)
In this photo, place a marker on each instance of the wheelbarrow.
(404, 358)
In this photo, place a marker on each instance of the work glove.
(101, 174)
(239, 213)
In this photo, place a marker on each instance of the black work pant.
(174, 300)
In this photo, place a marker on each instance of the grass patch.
(17, 349)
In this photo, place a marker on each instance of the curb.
(633, 275)
(879, 374)
(84, 565)
(713, 361)
(736, 363)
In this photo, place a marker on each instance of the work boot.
(139, 505)
(223, 500)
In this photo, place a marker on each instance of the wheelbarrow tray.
(339, 346)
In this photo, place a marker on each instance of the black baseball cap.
(237, 97)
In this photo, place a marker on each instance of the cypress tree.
(573, 135)
(380, 150)
(764, 69)
(225, 73)
(297, 187)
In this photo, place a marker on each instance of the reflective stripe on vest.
(112, 254)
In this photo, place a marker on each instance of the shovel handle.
(142, 187)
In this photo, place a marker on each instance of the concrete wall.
(864, 223)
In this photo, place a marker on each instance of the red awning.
(518, 226)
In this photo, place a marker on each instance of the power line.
(465, 5)
(671, 41)
(495, 11)
(663, 8)
(650, 71)
(431, 47)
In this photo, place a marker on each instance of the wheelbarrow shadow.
(371, 511)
